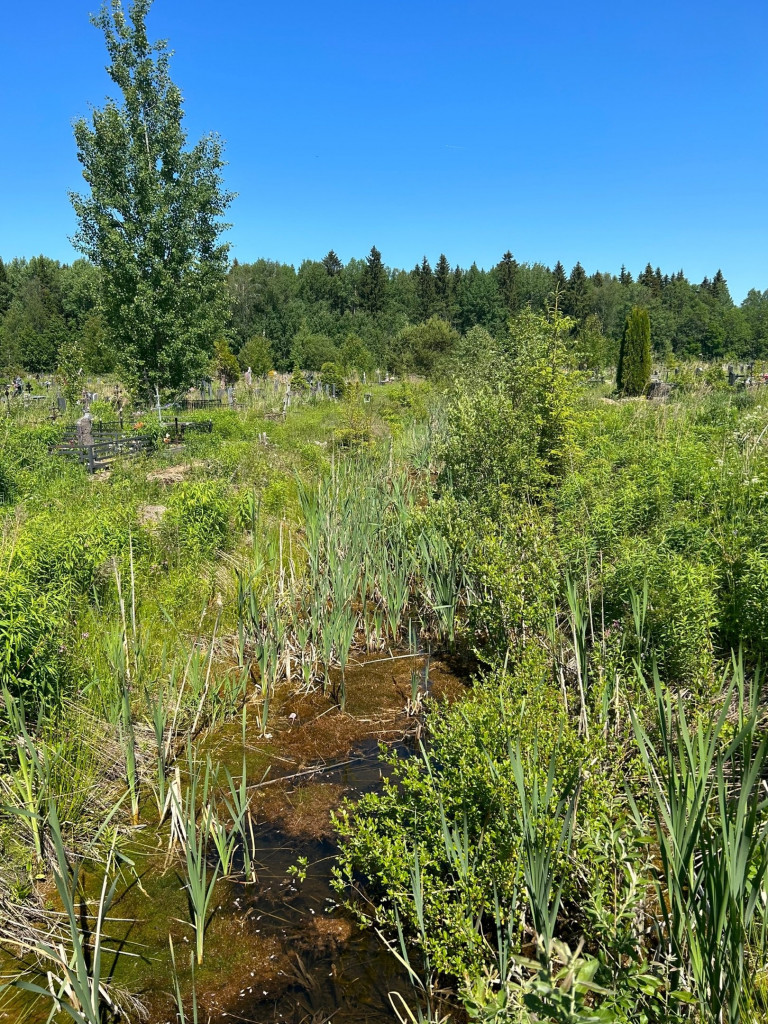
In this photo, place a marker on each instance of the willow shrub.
(509, 420)
(32, 622)
(513, 566)
(197, 519)
(683, 606)
(464, 785)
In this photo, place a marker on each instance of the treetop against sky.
(602, 134)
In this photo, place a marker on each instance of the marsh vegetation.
(548, 604)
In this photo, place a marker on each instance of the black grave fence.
(181, 428)
(103, 453)
(189, 404)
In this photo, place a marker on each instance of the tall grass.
(26, 782)
(710, 815)
(76, 982)
(195, 829)
(363, 573)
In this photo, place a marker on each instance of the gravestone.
(85, 429)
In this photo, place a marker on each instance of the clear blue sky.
(597, 131)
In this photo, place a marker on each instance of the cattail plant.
(238, 806)
(200, 882)
(117, 653)
(26, 783)
(76, 982)
(539, 806)
(180, 1011)
(709, 816)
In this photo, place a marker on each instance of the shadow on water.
(331, 969)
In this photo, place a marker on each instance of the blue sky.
(603, 132)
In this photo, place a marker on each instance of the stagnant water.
(277, 949)
(332, 968)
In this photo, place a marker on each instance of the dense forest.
(365, 314)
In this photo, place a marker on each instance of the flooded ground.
(280, 948)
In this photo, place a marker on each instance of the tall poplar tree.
(634, 370)
(152, 218)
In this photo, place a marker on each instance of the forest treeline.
(365, 315)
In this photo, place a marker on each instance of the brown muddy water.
(277, 949)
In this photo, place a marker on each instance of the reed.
(26, 782)
(238, 806)
(75, 980)
(710, 821)
(195, 826)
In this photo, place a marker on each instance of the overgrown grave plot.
(104, 442)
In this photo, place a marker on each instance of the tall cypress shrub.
(634, 370)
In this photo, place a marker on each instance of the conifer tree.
(647, 277)
(151, 218)
(443, 287)
(425, 287)
(634, 370)
(5, 290)
(332, 263)
(559, 277)
(575, 294)
(373, 283)
(719, 289)
(507, 272)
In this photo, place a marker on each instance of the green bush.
(197, 517)
(32, 625)
(683, 607)
(514, 568)
(7, 484)
(465, 779)
(332, 376)
(279, 497)
(509, 430)
(72, 549)
(751, 604)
